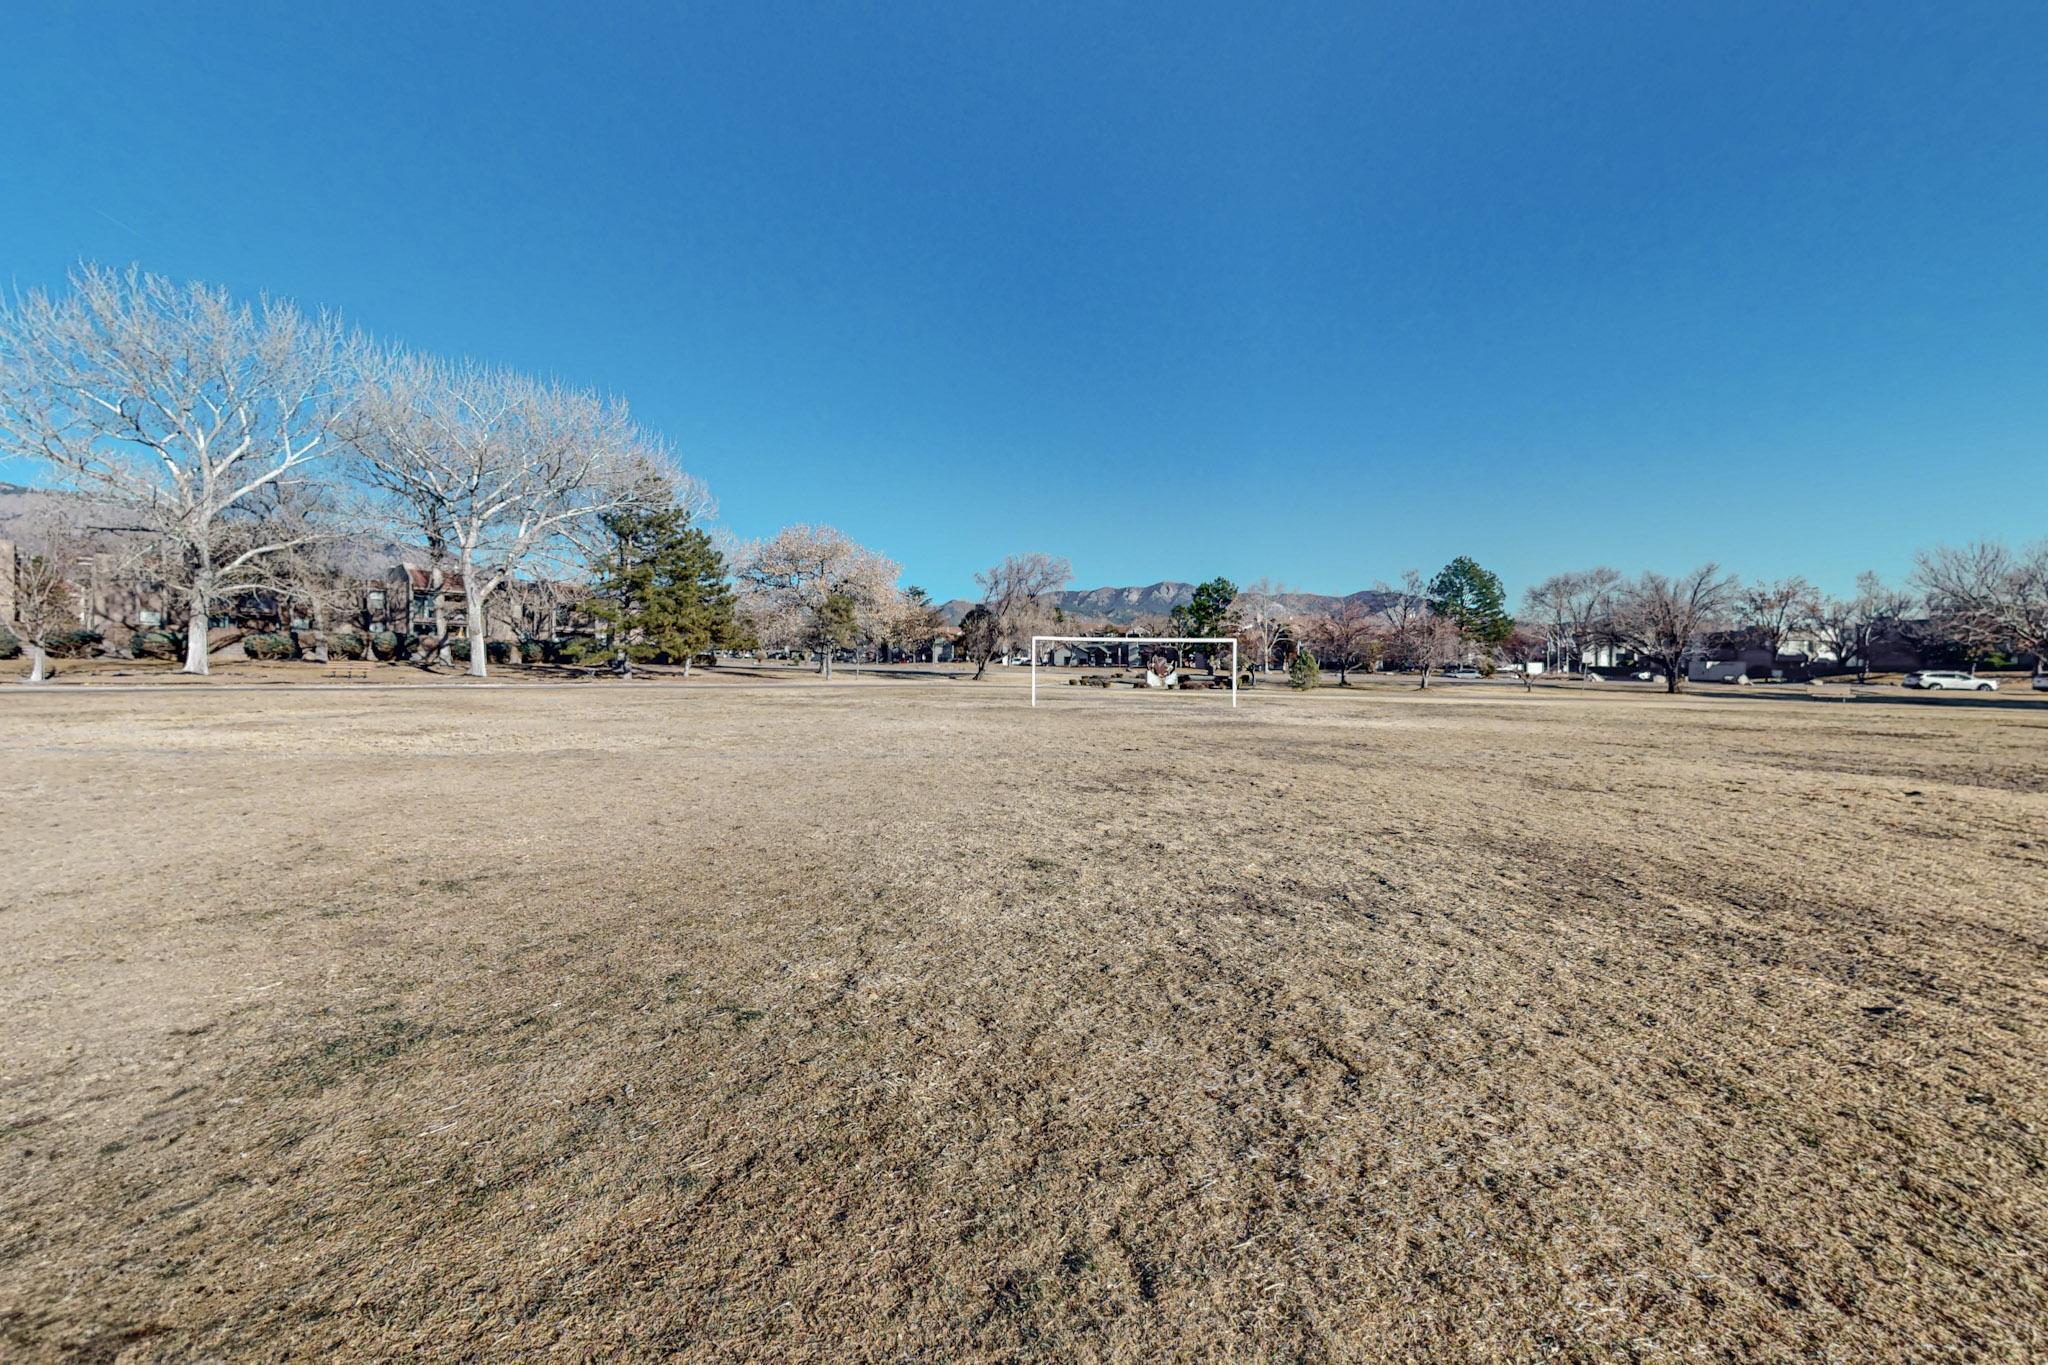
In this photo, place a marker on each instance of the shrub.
(10, 647)
(345, 644)
(275, 645)
(156, 643)
(581, 649)
(1302, 672)
(388, 645)
(534, 651)
(73, 644)
(495, 651)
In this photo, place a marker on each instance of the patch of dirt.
(893, 1019)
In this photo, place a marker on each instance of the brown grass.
(894, 1020)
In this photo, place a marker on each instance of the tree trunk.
(195, 636)
(477, 623)
(438, 583)
(825, 662)
(479, 643)
(1424, 684)
(36, 670)
(686, 663)
(1673, 679)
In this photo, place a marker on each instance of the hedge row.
(64, 644)
(495, 651)
(157, 643)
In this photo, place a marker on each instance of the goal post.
(1117, 641)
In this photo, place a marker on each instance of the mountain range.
(1124, 606)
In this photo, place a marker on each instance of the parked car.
(1949, 680)
(2041, 682)
(1461, 671)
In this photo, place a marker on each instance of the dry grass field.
(893, 1020)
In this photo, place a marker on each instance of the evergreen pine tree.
(1472, 599)
(662, 584)
(1303, 672)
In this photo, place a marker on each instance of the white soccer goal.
(1121, 641)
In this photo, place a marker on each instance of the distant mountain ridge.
(1123, 606)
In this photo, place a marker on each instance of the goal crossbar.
(1108, 640)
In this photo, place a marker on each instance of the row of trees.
(1973, 603)
(228, 449)
(232, 448)
(1977, 602)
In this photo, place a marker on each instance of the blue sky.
(1311, 292)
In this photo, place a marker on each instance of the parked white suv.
(1946, 679)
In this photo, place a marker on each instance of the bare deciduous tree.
(918, 622)
(539, 604)
(1576, 612)
(1769, 611)
(1013, 594)
(1416, 634)
(805, 586)
(1433, 641)
(1345, 637)
(1548, 605)
(1850, 628)
(45, 601)
(326, 594)
(1667, 620)
(1523, 644)
(492, 470)
(179, 404)
(1263, 618)
(1984, 596)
